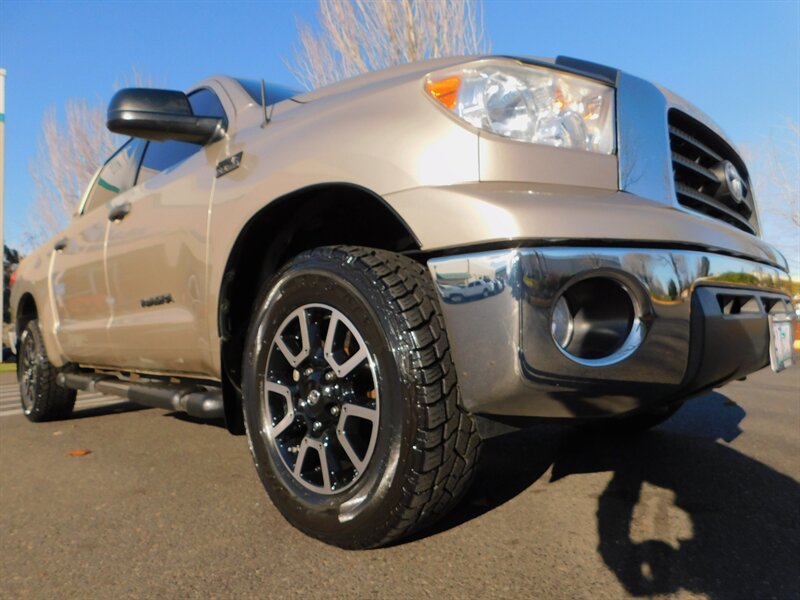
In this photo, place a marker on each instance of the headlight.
(530, 104)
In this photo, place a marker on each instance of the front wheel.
(350, 398)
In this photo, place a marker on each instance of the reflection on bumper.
(508, 363)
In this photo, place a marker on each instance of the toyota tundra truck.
(290, 262)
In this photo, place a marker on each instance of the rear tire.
(42, 398)
(413, 450)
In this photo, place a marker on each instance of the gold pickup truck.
(370, 278)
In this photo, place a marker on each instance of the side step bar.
(196, 400)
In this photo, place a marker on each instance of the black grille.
(698, 164)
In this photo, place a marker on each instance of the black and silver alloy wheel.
(350, 398)
(27, 372)
(41, 396)
(321, 398)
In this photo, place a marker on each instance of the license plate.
(780, 342)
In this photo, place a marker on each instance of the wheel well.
(26, 311)
(320, 215)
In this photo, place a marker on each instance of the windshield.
(275, 93)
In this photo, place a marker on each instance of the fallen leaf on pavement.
(79, 452)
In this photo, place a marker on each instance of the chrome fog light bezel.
(561, 322)
(636, 333)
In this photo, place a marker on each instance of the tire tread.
(447, 443)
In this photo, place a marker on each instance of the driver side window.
(117, 175)
(161, 156)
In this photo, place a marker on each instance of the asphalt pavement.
(163, 506)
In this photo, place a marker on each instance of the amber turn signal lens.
(445, 90)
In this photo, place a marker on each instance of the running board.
(196, 400)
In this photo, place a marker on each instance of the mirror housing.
(160, 115)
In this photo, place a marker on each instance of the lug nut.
(335, 410)
(308, 372)
(316, 426)
(327, 390)
(330, 376)
(313, 397)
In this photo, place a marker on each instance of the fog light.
(596, 322)
(561, 324)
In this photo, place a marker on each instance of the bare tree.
(69, 151)
(68, 154)
(783, 170)
(357, 36)
(775, 167)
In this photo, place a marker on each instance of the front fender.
(460, 216)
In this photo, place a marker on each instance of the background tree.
(357, 36)
(774, 165)
(782, 170)
(68, 154)
(69, 151)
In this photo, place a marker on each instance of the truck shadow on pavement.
(185, 418)
(682, 511)
(123, 406)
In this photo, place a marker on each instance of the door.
(156, 256)
(80, 291)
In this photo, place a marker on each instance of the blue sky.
(738, 61)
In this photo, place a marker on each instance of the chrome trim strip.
(645, 159)
(643, 146)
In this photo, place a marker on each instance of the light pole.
(2, 184)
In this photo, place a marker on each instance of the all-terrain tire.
(41, 396)
(426, 448)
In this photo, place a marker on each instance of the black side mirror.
(160, 115)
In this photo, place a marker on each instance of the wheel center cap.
(313, 397)
(316, 397)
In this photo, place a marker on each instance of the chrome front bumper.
(509, 364)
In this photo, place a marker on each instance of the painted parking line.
(10, 406)
(13, 400)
